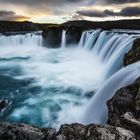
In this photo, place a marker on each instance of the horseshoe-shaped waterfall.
(49, 87)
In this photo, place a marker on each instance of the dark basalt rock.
(106, 132)
(134, 54)
(66, 132)
(72, 132)
(128, 121)
(19, 132)
(24, 132)
(73, 35)
(93, 132)
(52, 36)
(126, 100)
(3, 104)
(11, 26)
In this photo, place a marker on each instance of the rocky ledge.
(66, 132)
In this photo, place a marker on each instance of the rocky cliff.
(134, 54)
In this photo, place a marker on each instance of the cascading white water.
(63, 40)
(97, 106)
(82, 40)
(26, 39)
(91, 39)
(54, 83)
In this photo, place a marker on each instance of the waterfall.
(96, 110)
(63, 40)
(82, 40)
(109, 47)
(91, 39)
(74, 81)
(27, 39)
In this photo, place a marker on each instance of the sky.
(59, 11)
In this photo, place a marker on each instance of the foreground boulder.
(52, 36)
(134, 54)
(93, 132)
(66, 132)
(124, 108)
(10, 131)
(73, 35)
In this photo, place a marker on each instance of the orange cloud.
(12, 16)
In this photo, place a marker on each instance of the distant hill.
(119, 24)
(11, 26)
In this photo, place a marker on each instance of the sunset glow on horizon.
(59, 11)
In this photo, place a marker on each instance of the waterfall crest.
(27, 39)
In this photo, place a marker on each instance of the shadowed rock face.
(52, 36)
(73, 35)
(9, 26)
(134, 54)
(66, 132)
(124, 108)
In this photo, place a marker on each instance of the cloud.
(11, 16)
(57, 3)
(125, 12)
(50, 8)
(121, 1)
(130, 11)
(67, 6)
(91, 13)
(36, 3)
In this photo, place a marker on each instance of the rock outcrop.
(52, 36)
(124, 108)
(134, 54)
(73, 35)
(93, 132)
(66, 132)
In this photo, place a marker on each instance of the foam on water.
(64, 78)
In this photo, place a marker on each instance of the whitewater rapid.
(49, 87)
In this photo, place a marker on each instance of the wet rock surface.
(124, 108)
(19, 132)
(73, 35)
(134, 54)
(93, 132)
(52, 36)
(66, 132)
(3, 104)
